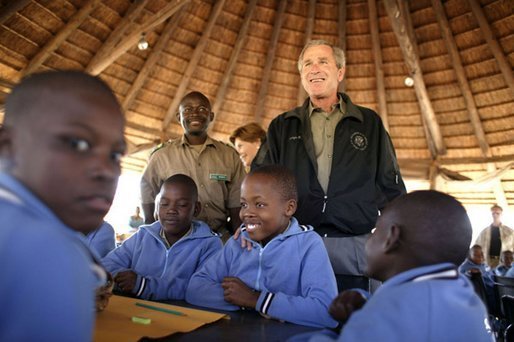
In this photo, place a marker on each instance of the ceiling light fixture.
(408, 81)
(143, 44)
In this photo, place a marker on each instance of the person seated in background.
(60, 149)
(505, 264)
(136, 220)
(475, 262)
(419, 239)
(247, 140)
(157, 262)
(286, 274)
(102, 240)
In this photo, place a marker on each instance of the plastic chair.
(503, 286)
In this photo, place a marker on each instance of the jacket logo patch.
(297, 137)
(359, 141)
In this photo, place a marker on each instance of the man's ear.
(211, 116)
(392, 240)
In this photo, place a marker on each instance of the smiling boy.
(158, 261)
(286, 275)
(60, 150)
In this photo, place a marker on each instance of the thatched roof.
(456, 121)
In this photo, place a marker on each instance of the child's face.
(263, 210)
(69, 154)
(176, 209)
(477, 256)
(195, 115)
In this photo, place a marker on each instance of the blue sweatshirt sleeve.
(104, 240)
(120, 259)
(318, 290)
(204, 288)
(171, 286)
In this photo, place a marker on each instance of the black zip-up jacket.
(364, 176)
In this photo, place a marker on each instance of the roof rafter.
(132, 38)
(309, 28)
(341, 33)
(236, 51)
(193, 63)
(491, 40)
(266, 73)
(467, 94)
(408, 46)
(117, 34)
(10, 8)
(379, 70)
(75, 21)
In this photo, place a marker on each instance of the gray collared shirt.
(323, 126)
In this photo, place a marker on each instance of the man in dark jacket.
(343, 159)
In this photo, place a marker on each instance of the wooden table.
(246, 326)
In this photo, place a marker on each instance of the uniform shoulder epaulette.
(160, 146)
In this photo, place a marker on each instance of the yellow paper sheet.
(115, 322)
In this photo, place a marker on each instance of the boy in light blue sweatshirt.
(60, 150)
(157, 262)
(286, 275)
(102, 240)
(419, 240)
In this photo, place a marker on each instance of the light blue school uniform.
(426, 304)
(292, 273)
(163, 273)
(48, 276)
(102, 240)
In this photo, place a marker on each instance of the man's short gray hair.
(338, 53)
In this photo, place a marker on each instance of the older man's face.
(320, 74)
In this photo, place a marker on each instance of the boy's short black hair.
(27, 97)
(185, 180)
(437, 227)
(284, 180)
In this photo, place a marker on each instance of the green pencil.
(156, 308)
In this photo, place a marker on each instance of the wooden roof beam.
(117, 34)
(461, 75)
(379, 69)
(408, 46)
(75, 21)
(10, 8)
(236, 51)
(467, 94)
(309, 28)
(491, 40)
(459, 161)
(266, 73)
(193, 63)
(341, 33)
(148, 68)
(133, 37)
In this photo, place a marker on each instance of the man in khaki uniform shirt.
(213, 165)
